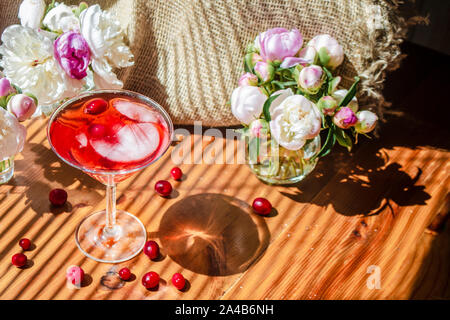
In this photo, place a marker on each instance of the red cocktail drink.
(110, 134)
(105, 133)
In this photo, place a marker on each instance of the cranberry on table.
(75, 275)
(262, 206)
(150, 280)
(124, 274)
(151, 249)
(19, 260)
(178, 281)
(176, 173)
(25, 243)
(58, 197)
(163, 188)
(95, 106)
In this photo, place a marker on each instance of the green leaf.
(50, 7)
(343, 139)
(350, 94)
(18, 90)
(285, 84)
(9, 97)
(329, 81)
(3, 102)
(266, 107)
(324, 58)
(246, 67)
(328, 73)
(328, 145)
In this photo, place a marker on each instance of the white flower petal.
(294, 121)
(104, 36)
(247, 103)
(29, 63)
(12, 135)
(61, 18)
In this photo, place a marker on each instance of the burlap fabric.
(188, 53)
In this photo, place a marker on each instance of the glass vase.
(6, 170)
(275, 164)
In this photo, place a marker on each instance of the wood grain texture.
(368, 208)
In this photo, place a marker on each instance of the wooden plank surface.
(370, 208)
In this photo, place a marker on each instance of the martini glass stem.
(110, 206)
(110, 229)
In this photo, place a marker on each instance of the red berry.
(58, 197)
(75, 275)
(95, 106)
(97, 130)
(178, 281)
(124, 274)
(163, 187)
(176, 173)
(262, 206)
(151, 249)
(25, 243)
(150, 280)
(19, 260)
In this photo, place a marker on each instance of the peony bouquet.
(287, 96)
(58, 51)
(15, 106)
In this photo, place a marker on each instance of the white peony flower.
(282, 95)
(339, 95)
(31, 13)
(105, 39)
(247, 103)
(29, 63)
(294, 121)
(61, 19)
(12, 135)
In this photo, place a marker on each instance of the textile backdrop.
(188, 53)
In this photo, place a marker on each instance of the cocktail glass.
(110, 145)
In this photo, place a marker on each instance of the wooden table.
(328, 235)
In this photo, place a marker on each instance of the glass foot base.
(120, 244)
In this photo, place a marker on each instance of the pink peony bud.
(367, 121)
(311, 79)
(5, 87)
(22, 106)
(259, 128)
(309, 54)
(73, 54)
(329, 50)
(265, 71)
(248, 79)
(251, 59)
(279, 43)
(345, 118)
(327, 105)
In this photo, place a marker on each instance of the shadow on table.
(53, 171)
(364, 183)
(213, 234)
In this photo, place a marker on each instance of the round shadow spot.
(213, 234)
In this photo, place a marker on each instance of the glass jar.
(6, 170)
(275, 164)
